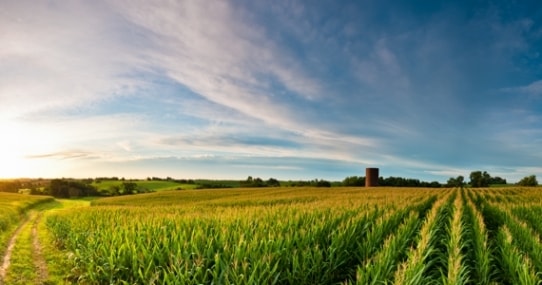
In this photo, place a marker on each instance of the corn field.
(306, 236)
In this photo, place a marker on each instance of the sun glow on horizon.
(18, 145)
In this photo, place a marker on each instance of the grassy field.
(153, 185)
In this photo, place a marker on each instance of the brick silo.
(371, 177)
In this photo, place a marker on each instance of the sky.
(282, 89)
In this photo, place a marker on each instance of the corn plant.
(515, 267)
(457, 271)
(476, 248)
(414, 269)
(380, 268)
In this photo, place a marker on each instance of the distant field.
(307, 236)
(153, 185)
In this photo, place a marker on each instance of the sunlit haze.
(283, 89)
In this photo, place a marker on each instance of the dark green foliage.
(66, 188)
(459, 181)
(258, 182)
(11, 186)
(406, 182)
(493, 219)
(354, 181)
(272, 182)
(528, 181)
(479, 179)
(497, 181)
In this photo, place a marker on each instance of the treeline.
(391, 182)
(14, 186)
(484, 179)
(69, 188)
(180, 181)
(310, 183)
(11, 186)
(258, 182)
(272, 182)
(528, 181)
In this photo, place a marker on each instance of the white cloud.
(62, 54)
(533, 89)
(223, 57)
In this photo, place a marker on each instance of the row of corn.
(306, 236)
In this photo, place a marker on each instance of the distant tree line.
(15, 186)
(70, 188)
(406, 182)
(308, 183)
(354, 181)
(180, 181)
(100, 179)
(528, 181)
(390, 181)
(212, 185)
(258, 182)
(67, 188)
(484, 179)
(11, 186)
(458, 181)
(125, 188)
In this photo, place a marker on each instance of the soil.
(37, 256)
(39, 260)
(7, 256)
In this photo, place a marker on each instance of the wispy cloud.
(55, 56)
(219, 55)
(533, 89)
(66, 155)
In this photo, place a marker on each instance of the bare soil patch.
(7, 256)
(39, 260)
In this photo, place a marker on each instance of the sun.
(13, 165)
(13, 160)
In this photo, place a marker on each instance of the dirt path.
(39, 260)
(24, 260)
(7, 256)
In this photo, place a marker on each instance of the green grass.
(288, 235)
(21, 270)
(12, 210)
(153, 185)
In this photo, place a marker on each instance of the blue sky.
(284, 89)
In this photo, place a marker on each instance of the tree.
(528, 181)
(320, 183)
(272, 182)
(459, 181)
(497, 180)
(252, 182)
(129, 188)
(114, 190)
(10, 186)
(354, 181)
(479, 179)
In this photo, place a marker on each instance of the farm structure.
(371, 177)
